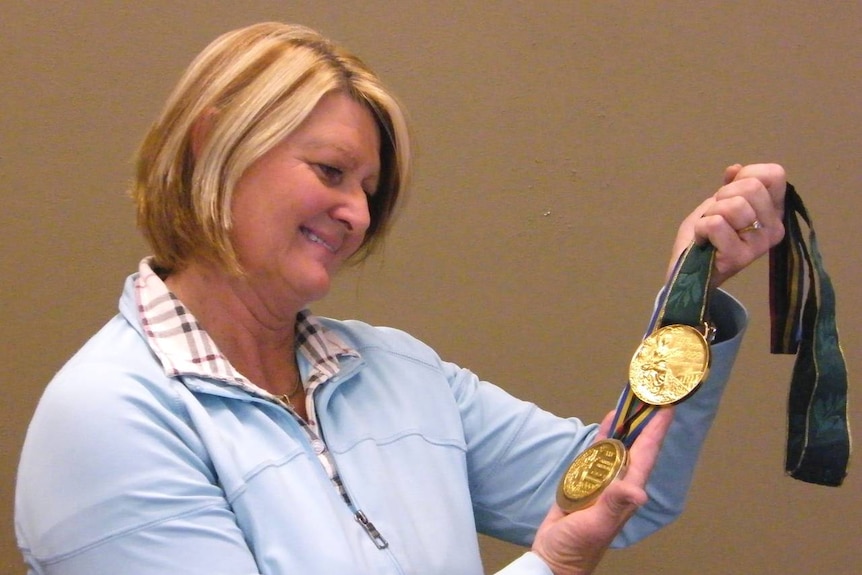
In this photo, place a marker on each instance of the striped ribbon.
(818, 433)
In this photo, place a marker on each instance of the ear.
(201, 130)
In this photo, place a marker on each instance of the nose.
(352, 210)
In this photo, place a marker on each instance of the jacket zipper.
(372, 531)
(369, 528)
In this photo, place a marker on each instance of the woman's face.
(301, 209)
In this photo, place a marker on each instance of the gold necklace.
(287, 397)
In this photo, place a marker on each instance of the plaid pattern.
(184, 348)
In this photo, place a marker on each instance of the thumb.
(620, 501)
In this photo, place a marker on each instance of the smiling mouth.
(317, 239)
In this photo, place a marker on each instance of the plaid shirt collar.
(184, 348)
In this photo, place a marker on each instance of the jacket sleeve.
(111, 481)
(517, 452)
(672, 475)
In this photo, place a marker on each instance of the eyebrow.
(349, 151)
(319, 144)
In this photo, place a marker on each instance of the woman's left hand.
(742, 220)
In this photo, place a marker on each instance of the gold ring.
(753, 226)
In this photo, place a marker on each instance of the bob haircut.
(251, 88)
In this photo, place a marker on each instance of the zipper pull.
(372, 531)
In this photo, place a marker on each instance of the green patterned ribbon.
(688, 297)
(684, 300)
(818, 438)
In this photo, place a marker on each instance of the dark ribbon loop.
(818, 434)
(818, 438)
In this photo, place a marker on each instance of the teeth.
(317, 239)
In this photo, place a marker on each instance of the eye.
(330, 174)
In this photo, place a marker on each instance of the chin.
(318, 290)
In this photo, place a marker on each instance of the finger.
(741, 204)
(732, 251)
(618, 502)
(738, 209)
(605, 426)
(730, 172)
(731, 200)
(772, 176)
(736, 238)
(686, 232)
(645, 450)
(621, 499)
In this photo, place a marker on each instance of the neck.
(259, 343)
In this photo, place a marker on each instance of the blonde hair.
(251, 88)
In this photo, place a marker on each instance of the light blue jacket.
(125, 470)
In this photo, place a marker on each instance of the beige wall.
(559, 143)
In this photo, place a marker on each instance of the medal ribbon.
(818, 436)
(684, 300)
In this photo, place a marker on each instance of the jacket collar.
(185, 349)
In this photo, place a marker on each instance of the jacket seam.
(52, 560)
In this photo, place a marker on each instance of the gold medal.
(590, 473)
(669, 364)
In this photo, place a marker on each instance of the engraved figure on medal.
(590, 473)
(669, 365)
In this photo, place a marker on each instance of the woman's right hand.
(574, 543)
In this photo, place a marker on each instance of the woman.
(216, 426)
